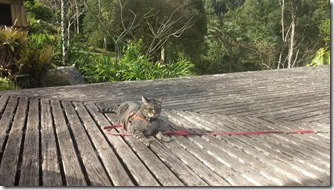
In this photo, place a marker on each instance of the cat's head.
(151, 108)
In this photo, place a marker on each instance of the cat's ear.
(159, 100)
(144, 100)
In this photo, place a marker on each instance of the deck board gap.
(117, 154)
(11, 115)
(110, 145)
(75, 145)
(40, 160)
(91, 142)
(59, 154)
(20, 158)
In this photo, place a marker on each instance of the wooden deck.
(53, 136)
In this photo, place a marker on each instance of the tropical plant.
(24, 54)
(36, 63)
(12, 41)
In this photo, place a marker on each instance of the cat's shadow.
(169, 126)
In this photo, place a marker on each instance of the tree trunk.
(68, 36)
(292, 35)
(63, 31)
(283, 35)
(163, 55)
(292, 43)
(77, 17)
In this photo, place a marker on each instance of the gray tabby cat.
(141, 120)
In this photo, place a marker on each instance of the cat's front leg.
(140, 136)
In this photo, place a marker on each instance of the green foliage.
(7, 84)
(248, 35)
(223, 36)
(40, 18)
(155, 22)
(12, 42)
(132, 66)
(77, 53)
(36, 62)
(38, 12)
(23, 54)
(325, 31)
(322, 57)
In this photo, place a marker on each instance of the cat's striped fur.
(149, 124)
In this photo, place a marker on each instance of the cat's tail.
(107, 110)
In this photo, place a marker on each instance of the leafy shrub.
(322, 57)
(12, 41)
(6, 84)
(132, 66)
(23, 54)
(77, 53)
(37, 11)
(99, 70)
(36, 63)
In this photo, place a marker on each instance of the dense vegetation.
(111, 40)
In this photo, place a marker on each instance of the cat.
(141, 119)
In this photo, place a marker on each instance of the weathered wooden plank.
(281, 107)
(282, 163)
(286, 168)
(6, 119)
(275, 178)
(300, 171)
(290, 146)
(165, 176)
(324, 129)
(250, 172)
(322, 117)
(310, 139)
(186, 174)
(197, 166)
(50, 166)
(200, 86)
(3, 102)
(296, 165)
(289, 98)
(228, 173)
(279, 163)
(29, 175)
(109, 158)
(137, 169)
(294, 146)
(96, 173)
(10, 159)
(311, 115)
(303, 111)
(70, 161)
(232, 177)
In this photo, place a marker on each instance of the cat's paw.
(166, 139)
(162, 137)
(146, 142)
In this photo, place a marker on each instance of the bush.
(23, 54)
(12, 41)
(77, 53)
(322, 57)
(132, 66)
(6, 84)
